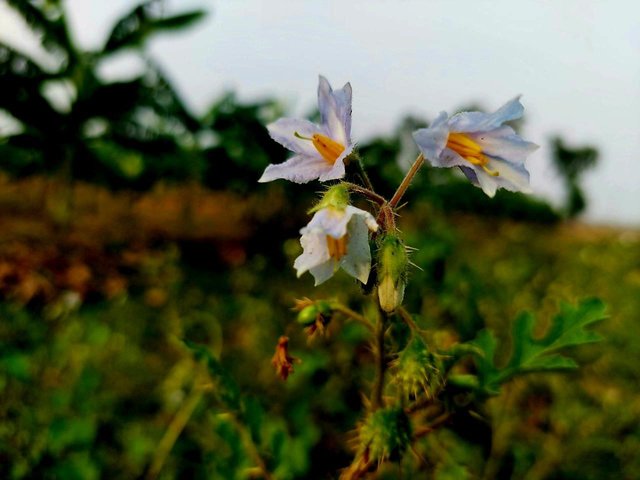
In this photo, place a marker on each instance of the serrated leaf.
(530, 354)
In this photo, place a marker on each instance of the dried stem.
(406, 181)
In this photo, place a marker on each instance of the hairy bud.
(417, 369)
(392, 272)
(384, 435)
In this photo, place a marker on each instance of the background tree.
(571, 163)
(121, 133)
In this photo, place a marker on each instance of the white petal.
(450, 158)
(368, 219)
(314, 251)
(323, 272)
(513, 177)
(431, 141)
(486, 182)
(337, 171)
(357, 261)
(503, 142)
(330, 112)
(283, 130)
(481, 122)
(331, 222)
(298, 169)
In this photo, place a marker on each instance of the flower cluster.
(488, 152)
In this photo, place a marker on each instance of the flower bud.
(417, 369)
(309, 314)
(392, 272)
(336, 197)
(384, 435)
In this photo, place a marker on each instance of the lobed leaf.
(530, 354)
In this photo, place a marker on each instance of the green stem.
(363, 174)
(381, 365)
(175, 427)
(353, 315)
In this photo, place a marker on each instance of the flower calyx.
(392, 267)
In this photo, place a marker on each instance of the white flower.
(320, 149)
(489, 153)
(336, 237)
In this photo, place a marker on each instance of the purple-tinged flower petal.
(335, 110)
(283, 131)
(470, 122)
(432, 141)
(504, 143)
(298, 169)
(337, 170)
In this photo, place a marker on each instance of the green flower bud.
(392, 265)
(384, 434)
(336, 197)
(417, 369)
(309, 314)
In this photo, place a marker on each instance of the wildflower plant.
(417, 388)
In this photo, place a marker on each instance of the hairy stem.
(370, 194)
(363, 175)
(381, 361)
(406, 181)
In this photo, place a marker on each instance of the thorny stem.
(406, 181)
(354, 316)
(381, 366)
(370, 194)
(406, 317)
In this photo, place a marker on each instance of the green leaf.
(530, 354)
(132, 30)
(227, 389)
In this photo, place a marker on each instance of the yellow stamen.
(329, 149)
(337, 246)
(471, 151)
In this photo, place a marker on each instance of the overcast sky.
(577, 64)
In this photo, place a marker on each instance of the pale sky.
(576, 63)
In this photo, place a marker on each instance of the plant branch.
(406, 181)
(251, 448)
(363, 174)
(381, 365)
(353, 315)
(176, 426)
(370, 194)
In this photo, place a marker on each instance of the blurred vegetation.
(136, 341)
